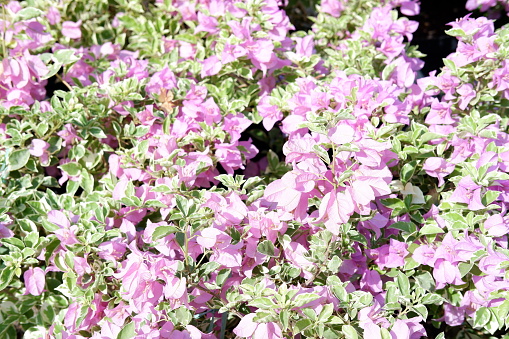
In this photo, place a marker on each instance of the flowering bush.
(195, 169)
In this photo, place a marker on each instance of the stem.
(326, 256)
(64, 82)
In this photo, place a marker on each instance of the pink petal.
(34, 281)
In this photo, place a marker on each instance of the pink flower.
(440, 113)
(112, 250)
(39, 149)
(446, 273)
(247, 328)
(206, 24)
(53, 15)
(335, 209)
(424, 255)
(270, 113)
(34, 281)
(438, 168)
(410, 8)
(211, 66)
(332, 7)
(467, 93)
(496, 225)
(305, 46)
(468, 192)
(71, 29)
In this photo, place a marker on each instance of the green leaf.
(263, 317)
(326, 313)
(304, 298)
(266, 247)
(28, 13)
(432, 298)
(349, 332)
(162, 231)
(263, 303)
(284, 318)
(430, 229)
(408, 227)
(421, 309)
(426, 281)
(222, 276)
(18, 159)
(97, 132)
(482, 317)
(183, 315)
(208, 268)
(403, 284)
(127, 332)
(182, 205)
(71, 168)
(65, 56)
(489, 197)
(6, 276)
(407, 171)
(301, 325)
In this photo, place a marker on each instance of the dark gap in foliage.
(54, 84)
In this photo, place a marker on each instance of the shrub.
(187, 169)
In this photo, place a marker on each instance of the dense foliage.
(197, 169)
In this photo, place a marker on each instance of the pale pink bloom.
(53, 15)
(229, 256)
(408, 329)
(446, 273)
(71, 29)
(424, 255)
(496, 225)
(206, 24)
(438, 168)
(270, 113)
(34, 281)
(247, 328)
(342, 134)
(410, 8)
(336, 209)
(305, 46)
(39, 148)
(467, 93)
(332, 7)
(211, 66)
(295, 252)
(231, 53)
(468, 192)
(112, 250)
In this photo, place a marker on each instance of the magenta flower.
(332, 7)
(231, 53)
(446, 273)
(467, 93)
(468, 192)
(410, 8)
(305, 46)
(112, 250)
(211, 66)
(270, 113)
(424, 255)
(496, 225)
(34, 281)
(438, 168)
(335, 209)
(39, 148)
(440, 113)
(71, 29)
(247, 328)
(206, 24)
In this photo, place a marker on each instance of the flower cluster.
(191, 169)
